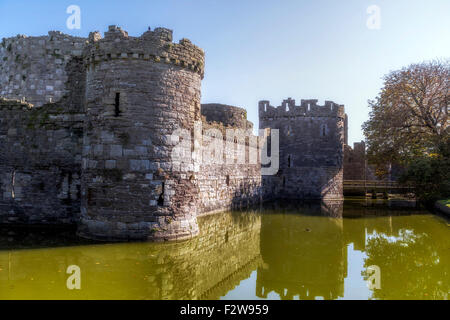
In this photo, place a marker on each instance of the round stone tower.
(139, 91)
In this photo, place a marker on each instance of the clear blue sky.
(261, 49)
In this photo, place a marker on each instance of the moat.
(281, 251)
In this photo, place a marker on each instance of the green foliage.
(445, 202)
(409, 118)
(430, 176)
(409, 125)
(412, 266)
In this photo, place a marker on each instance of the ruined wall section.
(37, 69)
(311, 149)
(227, 115)
(41, 135)
(139, 92)
(225, 185)
(354, 161)
(40, 163)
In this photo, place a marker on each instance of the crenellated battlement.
(307, 108)
(155, 46)
(310, 144)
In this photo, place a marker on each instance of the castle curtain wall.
(41, 119)
(231, 184)
(40, 164)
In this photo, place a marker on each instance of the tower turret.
(311, 145)
(139, 90)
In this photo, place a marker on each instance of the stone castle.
(89, 126)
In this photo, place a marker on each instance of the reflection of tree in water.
(414, 263)
(298, 250)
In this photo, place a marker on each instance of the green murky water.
(309, 251)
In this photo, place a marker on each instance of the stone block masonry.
(87, 137)
(35, 68)
(311, 149)
(226, 185)
(89, 141)
(40, 163)
(139, 90)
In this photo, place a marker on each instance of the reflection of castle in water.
(303, 257)
(295, 256)
(206, 267)
(229, 247)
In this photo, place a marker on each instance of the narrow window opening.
(309, 107)
(287, 107)
(90, 196)
(284, 181)
(13, 182)
(161, 197)
(289, 161)
(117, 105)
(324, 131)
(228, 180)
(265, 107)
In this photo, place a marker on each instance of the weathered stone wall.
(35, 68)
(355, 167)
(311, 140)
(40, 163)
(139, 92)
(354, 161)
(227, 115)
(94, 138)
(41, 136)
(230, 171)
